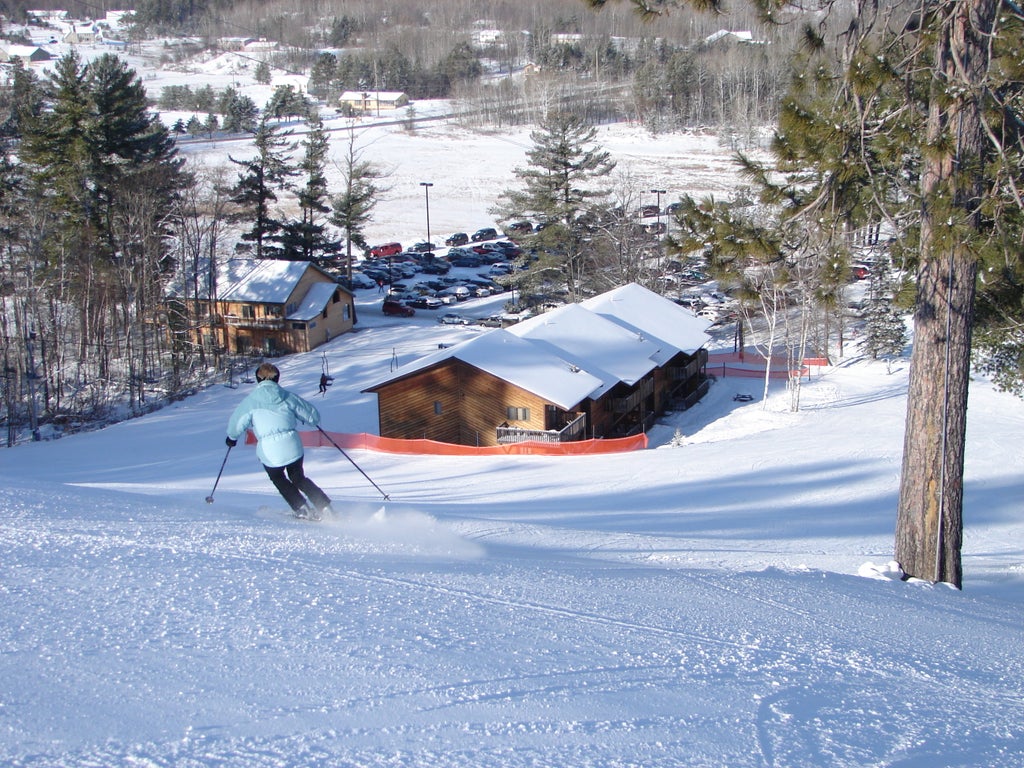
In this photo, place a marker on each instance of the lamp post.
(426, 197)
(659, 193)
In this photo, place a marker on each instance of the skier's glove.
(230, 442)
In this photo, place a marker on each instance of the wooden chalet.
(268, 307)
(603, 370)
(466, 393)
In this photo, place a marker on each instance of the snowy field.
(717, 601)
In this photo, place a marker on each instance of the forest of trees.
(96, 210)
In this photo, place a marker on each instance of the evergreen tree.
(262, 74)
(307, 238)
(59, 156)
(126, 140)
(322, 76)
(558, 188)
(240, 114)
(885, 333)
(286, 102)
(259, 181)
(21, 102)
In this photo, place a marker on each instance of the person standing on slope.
(272, 412)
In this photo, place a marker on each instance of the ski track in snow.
(372, 659)
(693, 605)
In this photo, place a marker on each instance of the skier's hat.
(267, 371)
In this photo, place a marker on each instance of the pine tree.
(885, 332)
(558, 188)
(307, 238)
(57, 152)
(259, 181)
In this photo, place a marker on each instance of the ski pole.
(331, 440)
(209, 499)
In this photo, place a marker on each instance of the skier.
(272, 412)
(324, 381)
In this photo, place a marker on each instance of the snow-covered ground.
(701, 603)
(719, 600)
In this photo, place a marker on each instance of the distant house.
(234, 43)
(81, 32)
(26, 53)
(262, 45)
(729, 37)
(268, 307)
(604, 368)
(372, 101)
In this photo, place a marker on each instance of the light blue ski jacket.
(272, 412)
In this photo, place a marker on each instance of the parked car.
(450, 318)
(395, 308)
(436, 267)
(861, 271)
(386, 249)
(359, 280)
(423, 247)
(487, 233)
(465, 261)
(649, 210)
(458, 238)
(459, 292)
(519, 228)
(426, 302)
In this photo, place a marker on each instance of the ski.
(316, 517)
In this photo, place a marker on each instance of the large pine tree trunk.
(929, 527)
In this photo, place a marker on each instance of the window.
(248, 311)
(298, 326)
(437, 408)
(517, 414)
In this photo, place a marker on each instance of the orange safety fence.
(753, 366)
(347, 440)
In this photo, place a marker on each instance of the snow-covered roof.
(580, 350)
(517, 361)
(674, 328)
(268, 280)
(744, 36)
(591, 342)
(313, 303)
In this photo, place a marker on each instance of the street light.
(426, 195)
(659, 193)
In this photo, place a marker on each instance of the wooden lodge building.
(603, 368)
(269, 307)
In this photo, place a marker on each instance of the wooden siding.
(266, 330)
(473, 405)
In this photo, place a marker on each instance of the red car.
(396, 308)
(387, 249)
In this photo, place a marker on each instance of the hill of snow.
(722, 599)
(702, 603)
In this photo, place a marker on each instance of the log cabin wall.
(454, 402)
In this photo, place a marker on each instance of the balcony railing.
(265, 323)
(635, 399)
(574, 430)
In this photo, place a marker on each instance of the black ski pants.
(291, 482)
